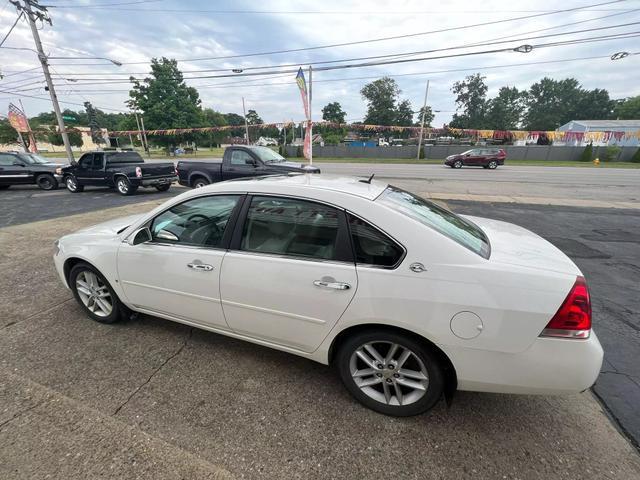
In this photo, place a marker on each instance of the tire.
(199, 182)
(72, 184)
(124, 187)
(95, 294)
(4, 187)
(492, 165)
(457, 164)
(163, 188)
(426, 373)
(46, 181)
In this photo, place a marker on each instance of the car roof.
(282, 183)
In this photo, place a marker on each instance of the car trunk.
(514, 245)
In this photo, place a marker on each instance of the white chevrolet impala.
(407, 300)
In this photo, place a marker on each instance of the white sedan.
(407, 300)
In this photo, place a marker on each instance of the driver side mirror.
(18, 164)
(468, 155)
(142, 235)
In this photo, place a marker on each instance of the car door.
(13, 171)
(95, 172)
(83, 170)
(177, 273)
(242, 164)
(473, 159)
(289, 275)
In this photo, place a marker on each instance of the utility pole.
(310, 122)
(246, 125)
(424, 111)
(45, 69)
(144, 135)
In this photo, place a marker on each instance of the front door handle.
(203, 267)
(332, 285)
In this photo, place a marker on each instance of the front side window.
(371, 246)
(198, 222)
(441, 220)
(98, 161)
(288, 226)
(241, 158)
(86, 161)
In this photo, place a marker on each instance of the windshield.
(32, 158)
(267, 155)
(443, 221)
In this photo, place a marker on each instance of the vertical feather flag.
(302, 85)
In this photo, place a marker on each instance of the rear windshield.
(440, 219)
(124, 157)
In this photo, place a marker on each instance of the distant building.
(625, 133)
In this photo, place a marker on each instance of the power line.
(11, 29)
(396, 61)
(395, 37)
(13, 94)
(103, 5)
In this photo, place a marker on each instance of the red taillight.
(138, 172)
(573, 318)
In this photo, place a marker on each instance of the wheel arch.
(451, 377)
(71, 262)
(194, 175)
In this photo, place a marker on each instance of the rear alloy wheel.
(124, 187)
(200, 182)
(46, 181)
(492, 165)
(163, 188)
(94, 294)
(457, 164)
(390, 373)
(72, 184)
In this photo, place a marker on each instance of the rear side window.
(292, 227)
(371, 246)
(124, 157)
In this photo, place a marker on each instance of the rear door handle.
(203, 267)
(332, 285)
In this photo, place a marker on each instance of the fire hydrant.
(596, 162)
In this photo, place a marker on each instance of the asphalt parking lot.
(153, 399)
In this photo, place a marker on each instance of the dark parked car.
(126, 171)
(28, 168)
(477, 157)
(238, 162)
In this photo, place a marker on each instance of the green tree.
(636, 156)
(428, 116)
(332, 112)
(587, 153)
(504, 112)
(92, 123)
(593, 105)
(166, 101)
(8, 135)
(471, 99)
(75, 137)
(253, 118)
(381, 96)
(627, 108)
(404, 114)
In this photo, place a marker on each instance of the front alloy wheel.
(47, 181)
(457, 164)
(492, 165)
(72, 184)
(390, 373)
(93, 292)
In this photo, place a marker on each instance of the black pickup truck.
(126, 171)
(238, 162)
(28, 168)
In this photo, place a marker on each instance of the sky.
(137, 30)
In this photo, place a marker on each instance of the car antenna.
(368, 180)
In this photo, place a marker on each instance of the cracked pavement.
(150, 398)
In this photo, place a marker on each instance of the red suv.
(477, 157)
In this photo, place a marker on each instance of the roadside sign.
(69, 118)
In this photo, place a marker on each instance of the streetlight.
(115, 62)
